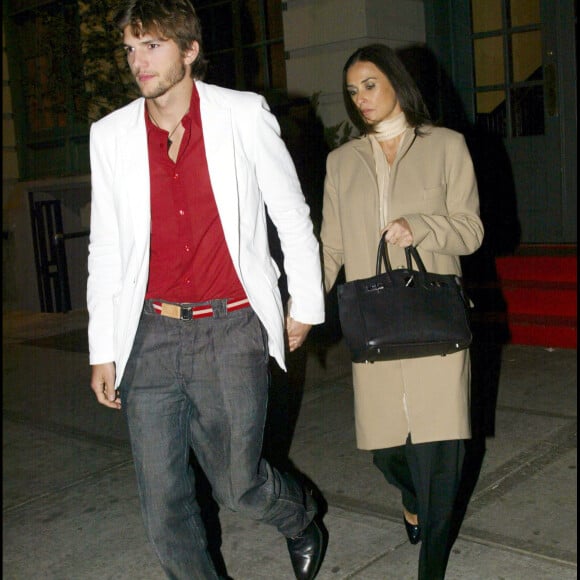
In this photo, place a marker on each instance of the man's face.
(156, 63)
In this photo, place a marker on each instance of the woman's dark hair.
(174, 19)
(406, 90)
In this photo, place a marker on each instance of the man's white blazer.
(250, 168)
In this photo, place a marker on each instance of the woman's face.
(371, 92)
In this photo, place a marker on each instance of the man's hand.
(103, 384)
(297, 333)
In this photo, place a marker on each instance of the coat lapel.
(364, 150)
(369, 192)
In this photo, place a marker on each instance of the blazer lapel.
(133, 177)
(218, 137)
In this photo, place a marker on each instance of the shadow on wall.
(305, 137)
(307, 141)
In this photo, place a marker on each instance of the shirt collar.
(193, 115)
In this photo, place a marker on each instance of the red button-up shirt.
(189, 261)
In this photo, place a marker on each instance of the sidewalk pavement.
(70, 504)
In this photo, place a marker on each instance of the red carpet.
(541, 295)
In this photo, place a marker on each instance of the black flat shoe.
(413, 532)
(307, 551)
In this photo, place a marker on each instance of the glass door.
(516, 96)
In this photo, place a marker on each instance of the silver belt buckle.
(186, 313)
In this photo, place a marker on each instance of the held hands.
(297, 333)
(398, 233)
(103, 384)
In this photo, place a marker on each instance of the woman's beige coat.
(433, 186)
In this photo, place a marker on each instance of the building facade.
(503, 72)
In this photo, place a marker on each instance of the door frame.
(448, 34)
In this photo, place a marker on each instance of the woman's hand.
(398, 233)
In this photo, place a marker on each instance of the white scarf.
(390, 128)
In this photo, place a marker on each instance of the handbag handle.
(411, 253)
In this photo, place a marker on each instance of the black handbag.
(403, 313)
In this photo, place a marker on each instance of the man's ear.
(191, 53)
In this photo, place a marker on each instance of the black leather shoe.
(413, 532)
(307, 551)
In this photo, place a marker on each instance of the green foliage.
(335, 135)
(52, 88)
(108, 84)
(338, 134)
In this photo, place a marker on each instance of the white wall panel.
(320, 35)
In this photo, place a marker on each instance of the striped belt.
(188, 312)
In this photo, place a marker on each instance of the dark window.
(51, 66)
(244, 43)
(66, 69)
(509, 74)
(47, 82)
